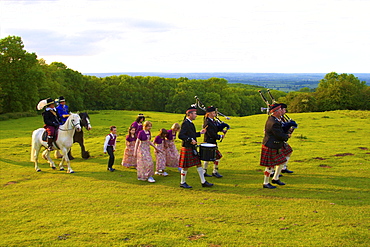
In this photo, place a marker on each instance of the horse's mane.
(66, 126)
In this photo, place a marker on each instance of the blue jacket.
(62, 110)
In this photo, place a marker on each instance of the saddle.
(45, 136)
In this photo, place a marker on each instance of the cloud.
(134, 24)
(51, 43)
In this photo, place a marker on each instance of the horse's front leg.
(61, 168)
(46, 156)
(65, 158)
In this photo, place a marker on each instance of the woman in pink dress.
(160, 156)
(145, 166)
(129, 160)
(172, 155)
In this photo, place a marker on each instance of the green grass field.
(325, 202)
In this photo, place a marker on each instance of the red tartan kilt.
(218, 155)
(287, 149)
(271, 157)
(188, 159)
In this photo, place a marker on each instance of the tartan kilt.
(188, 159)
(271, 157)
(287, 149)
(218, 154)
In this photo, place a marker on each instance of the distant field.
(279, 81)
(325, 202)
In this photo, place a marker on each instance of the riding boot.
(50, 144)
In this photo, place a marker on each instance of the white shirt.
(107, 139)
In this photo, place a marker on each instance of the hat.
(274, 107)
(283, 105)
(61, 99)
(210, 109)
(49, 101)
(44, 102)
(191, 109)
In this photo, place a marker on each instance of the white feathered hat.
(44, 102)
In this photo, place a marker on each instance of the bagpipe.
(288, 125)
(220, 124)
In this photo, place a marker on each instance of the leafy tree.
(18, 76)
(339, 92)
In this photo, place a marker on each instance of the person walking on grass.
(188, 154)
(138, 123)
(272, 144)
(110, 147)
(129, 160)
(159, 142)
(211, 136)
(172, 155)
(145, 166)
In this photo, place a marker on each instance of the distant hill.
(279, 81)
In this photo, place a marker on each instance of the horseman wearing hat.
(63, 110)
(51, 120)
(273, 143)
(211, 136)
(188, 155)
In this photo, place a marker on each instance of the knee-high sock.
(205, 166)
(286, 163)
(278, 171)
(183, 176)
(215, 166)
(201, 174)
(266, 178)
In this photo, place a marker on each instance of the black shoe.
(217, 175)
(272, 175)
(277, 182)
(205, 173)
(269, 186)
(185, 185)
(286, 171)
(206, 184)
(111, 169)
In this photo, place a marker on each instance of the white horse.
(63, 143)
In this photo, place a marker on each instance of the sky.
(260, 36)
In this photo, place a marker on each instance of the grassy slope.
(325, 202)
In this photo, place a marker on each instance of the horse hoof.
(38, 170)
(70, 172)
(61, 169)
(53, 167)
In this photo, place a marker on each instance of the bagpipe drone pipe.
(222, 126)
(288, 125)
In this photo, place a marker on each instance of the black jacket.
(211, 135)
(274, 134)
(51, 118)
(187, 133)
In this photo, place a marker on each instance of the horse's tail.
(35, 139)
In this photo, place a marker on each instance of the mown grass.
(325, 201)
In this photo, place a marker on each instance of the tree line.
(25, 80)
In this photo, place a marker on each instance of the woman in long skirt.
(160, 156)
(145, 166)
(172, 155)
(129, 159)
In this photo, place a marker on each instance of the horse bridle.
(74, 125)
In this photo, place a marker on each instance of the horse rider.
(63, 110)
(52, 121)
